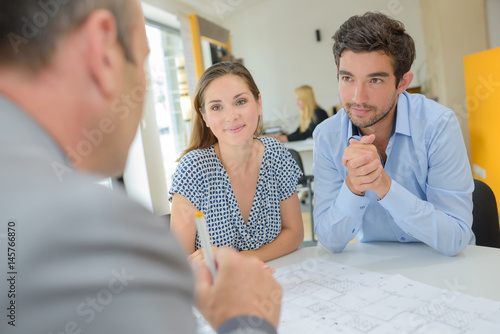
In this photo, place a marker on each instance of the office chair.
(485, 216)
(306, 182)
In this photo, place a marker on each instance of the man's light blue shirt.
(430, 198)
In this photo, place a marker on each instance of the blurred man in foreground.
(80, 258)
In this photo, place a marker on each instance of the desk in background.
(475, 271)
(305, 149)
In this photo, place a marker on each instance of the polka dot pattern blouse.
(203, 180)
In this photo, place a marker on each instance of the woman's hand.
(198, 255)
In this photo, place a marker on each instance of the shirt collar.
(403, 115)
(401, 124)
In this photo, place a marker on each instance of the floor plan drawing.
(321, 296)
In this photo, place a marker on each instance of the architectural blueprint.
(321, 296)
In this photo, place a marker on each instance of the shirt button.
(362, 207)
(403, 239)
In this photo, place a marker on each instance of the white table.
(305, 149)
(475, 271)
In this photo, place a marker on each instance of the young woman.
(245, 185)
(310, 115)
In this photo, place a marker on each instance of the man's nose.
(360, 94)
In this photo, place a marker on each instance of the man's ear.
(405, 82)
(105, 56)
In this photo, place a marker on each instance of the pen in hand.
(206, 246)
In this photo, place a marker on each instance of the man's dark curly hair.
(376, 32)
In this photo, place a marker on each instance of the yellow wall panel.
(482, 81)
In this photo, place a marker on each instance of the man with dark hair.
(390, 166)
(75, 256)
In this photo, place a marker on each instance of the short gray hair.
(31, 29)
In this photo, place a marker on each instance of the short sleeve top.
(202, 179)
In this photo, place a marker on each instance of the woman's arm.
(182, 222)
(319, 116)
(291, 235)
(281, 138)
(297, 135)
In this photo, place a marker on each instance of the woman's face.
(299, 103)
(230, 110)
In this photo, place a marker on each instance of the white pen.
(201, 226)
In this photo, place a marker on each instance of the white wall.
(448, 40)
(277, 41)
(493, 19)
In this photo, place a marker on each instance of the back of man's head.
(31, 29)
(376, 32)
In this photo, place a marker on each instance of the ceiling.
(221, 9)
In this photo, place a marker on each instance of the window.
(170, 91)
